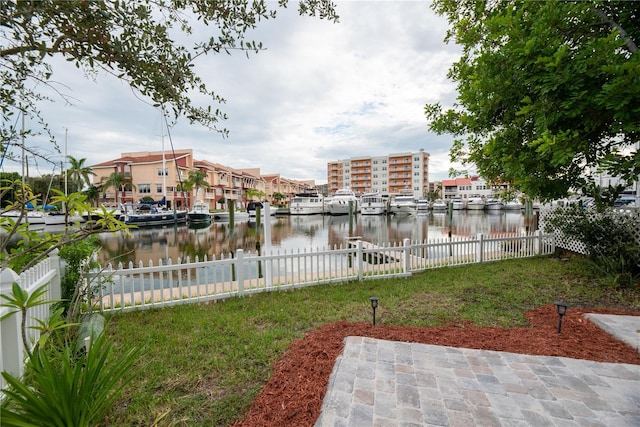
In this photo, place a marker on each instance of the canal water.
(298, 233)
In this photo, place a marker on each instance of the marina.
(299, 232)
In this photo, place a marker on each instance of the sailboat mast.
(164, 160)
(64, 163)
(23, 154)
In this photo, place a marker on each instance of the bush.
(64, 389)
(75, 255)
(608, 237)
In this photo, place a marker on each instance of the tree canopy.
(150, 44)
(547, 91)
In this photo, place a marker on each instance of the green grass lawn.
(203, 364)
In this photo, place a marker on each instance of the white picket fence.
(12, 353)
(130, 287)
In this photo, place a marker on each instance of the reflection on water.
(299, 233)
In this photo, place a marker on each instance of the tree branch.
(631, 46)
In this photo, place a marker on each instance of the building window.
(159, 188)
(163, 172)
(144, 188)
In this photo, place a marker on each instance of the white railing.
(12, 355)
(125, 288)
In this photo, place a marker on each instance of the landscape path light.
(374, 305)
(561, 307)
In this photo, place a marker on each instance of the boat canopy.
(160, 202)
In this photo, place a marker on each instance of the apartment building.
(466, 187)
(398, 173)
(158, 175)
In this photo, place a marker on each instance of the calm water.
(298, 233)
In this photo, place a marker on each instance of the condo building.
(399, 173)
(158, 175)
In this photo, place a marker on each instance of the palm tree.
(278, 197)
(78, 174)
(93, 195)
(197, 180)
(118, 181)
(252, 194)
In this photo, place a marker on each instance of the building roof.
(456, 182)
(147, 157)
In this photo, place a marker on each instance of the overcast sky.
(320, 92)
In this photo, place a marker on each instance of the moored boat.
(403, 204)
(475, 203)
(457, 203)
(252, 209)
(439, 205)
(493, 205)
(146, 214)
(513, 205)
(35, 219)
(423, 205)
(238, 216)
(343, 202)
(199, 213)
(373, 204)
(307, 204)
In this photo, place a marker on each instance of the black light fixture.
(374, 305)
(561, 307)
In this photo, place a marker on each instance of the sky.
(320, 92)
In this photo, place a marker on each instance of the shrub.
(608, 238)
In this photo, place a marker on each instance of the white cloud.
(319, 92)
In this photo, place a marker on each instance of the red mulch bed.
(293, 396)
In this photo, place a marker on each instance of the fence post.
(11, 350)
(239, 263)
(55, 286)
(268, 277)
(536, 242)
(360, 262)
(479, 253)
(407, 256)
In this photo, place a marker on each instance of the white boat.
(423, 205)
(457, 203)
(513, 205)
(475, 203)
(342, 202)
(307, 204)
(439, 205)
(493, 205)
(53, 216)
(238, 216)
(373, 204)
(59, 218)
(199, 213)
(403, 204)
(35, 219)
